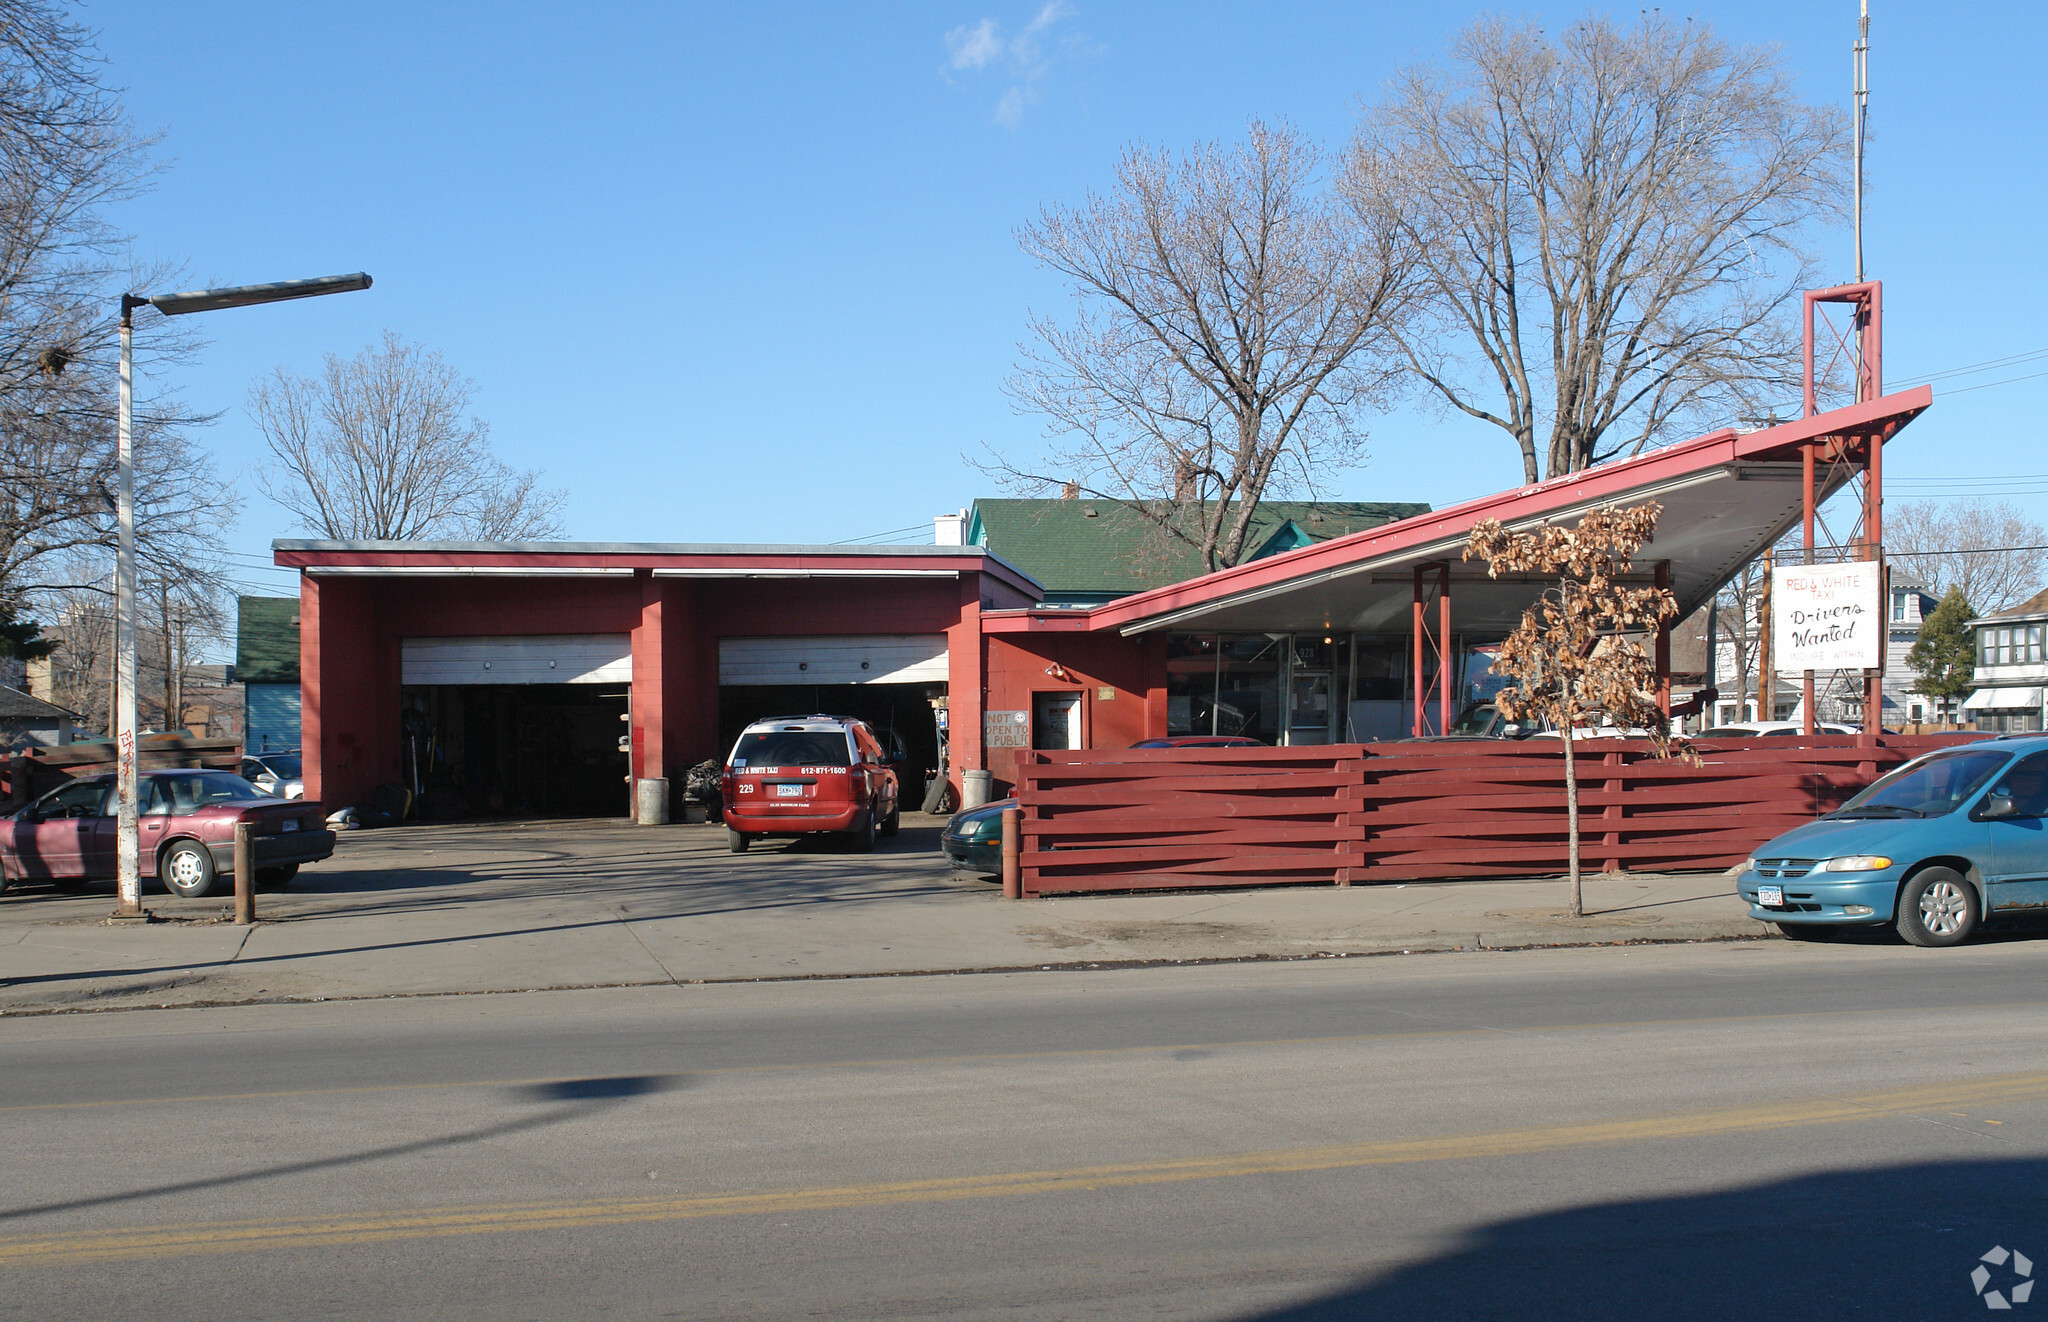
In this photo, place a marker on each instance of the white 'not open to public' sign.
(1827, 617)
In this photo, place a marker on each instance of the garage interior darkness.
(517, 750)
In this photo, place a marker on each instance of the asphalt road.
(1762, 1129)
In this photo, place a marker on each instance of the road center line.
(67, 1248)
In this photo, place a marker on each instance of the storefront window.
(1248, 701)
(1482, 682)
(1226, 684)
(1190, 683)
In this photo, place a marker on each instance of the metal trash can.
(650, 801)
(974, 787)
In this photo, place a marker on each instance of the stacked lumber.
(40, 770)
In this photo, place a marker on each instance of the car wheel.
(1805, 931)
(862, 837)
(894, 821)
(1937, 908)
(186, 869)
(278, 876)
(737, 841)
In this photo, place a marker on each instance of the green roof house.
(1085, 552)
(267, 667)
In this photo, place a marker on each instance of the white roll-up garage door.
(895, 658)
(587, 658)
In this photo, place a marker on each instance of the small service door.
(1056, 720)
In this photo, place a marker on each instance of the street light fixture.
(128, 843)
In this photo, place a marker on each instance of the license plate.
(290, 824)
(789, 791)
(1771, 897)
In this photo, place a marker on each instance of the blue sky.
(746, 273)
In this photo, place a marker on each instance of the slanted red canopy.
(1726, 496)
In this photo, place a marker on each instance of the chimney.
(950, 529)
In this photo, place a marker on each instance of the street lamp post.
(128, 844)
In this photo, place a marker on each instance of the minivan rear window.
(791, 748)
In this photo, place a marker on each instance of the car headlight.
(1749, 864)
(1857, 863)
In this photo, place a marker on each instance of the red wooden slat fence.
(1148, 819)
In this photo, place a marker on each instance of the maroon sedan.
(188, 832)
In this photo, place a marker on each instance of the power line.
(1988, 365)
(1964, 390)
(1974, 550)
(876, 536)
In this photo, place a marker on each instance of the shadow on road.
(581, 1099)
(1895, 1242)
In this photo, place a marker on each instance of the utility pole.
(180, 657)
(1862, 115)
(127, 833)
(164, 623)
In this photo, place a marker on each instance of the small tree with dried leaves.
(1571, 656)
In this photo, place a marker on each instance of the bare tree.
(379, 449)
(1614, 226)
(67, 151)
(1231, 325)
(81, 666)
(1990, 550)
(1572, 654)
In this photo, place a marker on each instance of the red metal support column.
(1444, 666)
(1807, 495)
(1867, 298)
(1425, 645)
(648, 759)
(1663, 655)
(1416, 728)
(1873, 535)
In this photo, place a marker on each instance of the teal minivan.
(1932, 849)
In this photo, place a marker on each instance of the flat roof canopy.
(1727, 496)
(374, 559)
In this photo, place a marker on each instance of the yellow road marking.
(997, 1057)
(65, 1248)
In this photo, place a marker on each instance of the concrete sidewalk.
(491, 908)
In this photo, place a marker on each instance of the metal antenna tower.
(1862, 114)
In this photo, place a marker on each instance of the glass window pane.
(1190, 683)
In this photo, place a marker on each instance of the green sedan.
(973, 840)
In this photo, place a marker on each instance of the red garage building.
(502, 676)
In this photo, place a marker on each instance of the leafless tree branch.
(1230, 328)
(1614, 222)
(379, 449)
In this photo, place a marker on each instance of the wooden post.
(1662, 660)
(245, 876)
(1612, 814)
(1013, 854)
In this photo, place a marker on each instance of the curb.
(98, 1002)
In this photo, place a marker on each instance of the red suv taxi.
(796, 775)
